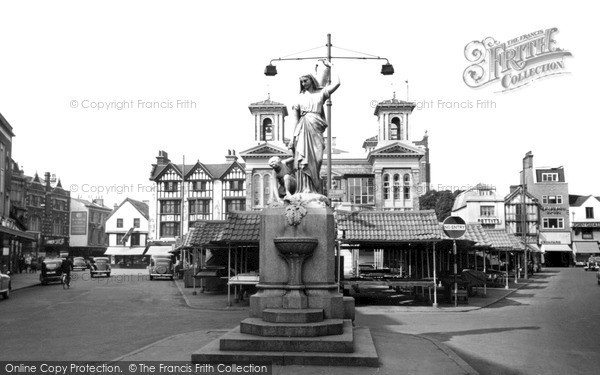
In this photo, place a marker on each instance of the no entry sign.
(454, 227)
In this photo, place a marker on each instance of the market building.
(87, 237)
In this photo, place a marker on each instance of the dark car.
(100, 267)
(161, 266)
(51, 271)
(79, 264)
(5, 284)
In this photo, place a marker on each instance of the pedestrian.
(28, 263)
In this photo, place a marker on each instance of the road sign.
(454, 227)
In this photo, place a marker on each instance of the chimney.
(98, 201)
(527, 168)
(115, 207)
(47, 177)
(230, 158)
(162, 158)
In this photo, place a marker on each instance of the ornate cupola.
(269, 121)
(392, 117)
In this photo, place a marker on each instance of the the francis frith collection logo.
(515, 63)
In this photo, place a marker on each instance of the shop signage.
(79, 223)
(554, 210)
(54, 241)
(587, 225)
(335, 194)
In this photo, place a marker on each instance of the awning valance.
(585, 247)
(159, 250)
(552, 247)
(124, 250)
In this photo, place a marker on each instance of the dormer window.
(267, 130)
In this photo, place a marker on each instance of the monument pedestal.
(297, 316)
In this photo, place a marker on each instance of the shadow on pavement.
(447, 336)
(506, 302)
(484, 366)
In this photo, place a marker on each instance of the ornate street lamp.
(386, 69)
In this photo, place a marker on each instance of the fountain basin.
(296, 246)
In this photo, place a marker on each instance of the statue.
(308, 143)
(284, 173)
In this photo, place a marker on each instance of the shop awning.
(159, 250)
(123, 250)
(585, 247)
(560, 247)
(18, 233)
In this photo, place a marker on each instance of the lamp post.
(386, 69)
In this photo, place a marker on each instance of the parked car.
(579, 263)
(51, 271)
(5, 285)
(591, 266)
(79, 264)
(161, 266)
(100, 267)
(598, 277)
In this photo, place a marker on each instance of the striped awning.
(124, 250)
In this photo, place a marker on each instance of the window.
(266, 189)
(120, 238)
(170, 207)
(589, 212)
(361, 190)
(386, 186)
(171, 186)
(549, 176)
(587, 233)
(236, 185)
(396, 186)
(57, 227)
(553, 223)
(407, 186)
(552, 199)
(395, 129)
(235, 205)
(199, 207)
(199, 185)
(256, 189)
(487, 210)
(34, 223)
(169, 229)
(119, 223)
(136, 222)
(267, 130)
(135, 239)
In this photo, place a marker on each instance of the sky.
(178, 76)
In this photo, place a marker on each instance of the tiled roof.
(215, 170)
(242, 227)
(389, 226)
(501, 239)
(475, 233)
(209, 232)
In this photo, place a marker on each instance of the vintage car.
(51, 271)
(161, 266)
(591, 266)
(100, 267)
(79, 264)
(5, 284)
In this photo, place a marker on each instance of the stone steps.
(364, 353)
(293, 315)
(257, 326)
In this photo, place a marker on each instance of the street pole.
(455, 272)
(435, 304)
(524, 217)
(328, 104)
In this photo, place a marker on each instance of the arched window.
(407, 186)
(266, 188)
(396, 186)
(386, 186)
(267, 130)
(396, 129)
(256, 190)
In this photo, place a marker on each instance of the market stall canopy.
(124, 250)
(388, 226)
(476, 234)
(502, 240)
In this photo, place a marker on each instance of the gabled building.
(187, 193)
(127, 230)
(585, 226)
